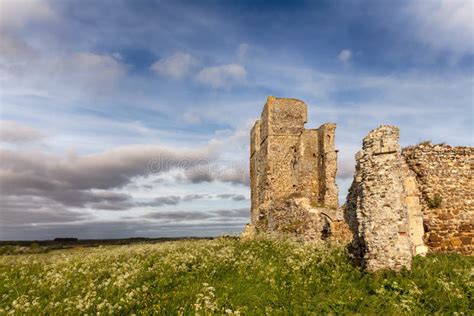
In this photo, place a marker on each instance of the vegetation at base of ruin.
(228, 276)
(292, 227)
(435, 201)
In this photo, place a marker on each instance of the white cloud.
(222, 76)
(345, 55)
(17, 13)
(12, 132)
(445, 25)
(176, 66)
(62, 77)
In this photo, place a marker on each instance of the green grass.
(273, 277)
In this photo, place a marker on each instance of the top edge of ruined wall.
(383, 139)
(325, 126)
(283, 116)
(439, 147)
(271, 99)
(382, 129)
(328, 125)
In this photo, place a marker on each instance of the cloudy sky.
(131, 118)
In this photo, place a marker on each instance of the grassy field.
(228, 276)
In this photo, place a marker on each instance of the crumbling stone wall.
(292, 171)
(405, 203)
(383, 209)
(399, 204)
(444, 178)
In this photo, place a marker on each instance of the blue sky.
(93, 92)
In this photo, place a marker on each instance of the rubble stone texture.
(446, 172)
(292, 171)
(400, 204)
(383, 208)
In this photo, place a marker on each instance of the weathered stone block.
(455, 242)
(329, 193)
(421, 250)
(279, 169)
(434, 237)
(282, 116)
(445, 216)
(308, 166)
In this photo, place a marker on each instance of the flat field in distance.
(227, 276)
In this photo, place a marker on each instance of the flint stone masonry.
(292, 171)
(383, 209)
(446, 172)
(400, 204)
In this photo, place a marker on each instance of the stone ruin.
(293, 172)
(408, 202)
(401, 203)
(383, 208)
(444, 177)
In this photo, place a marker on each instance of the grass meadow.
(228, 276)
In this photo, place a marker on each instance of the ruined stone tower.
(292, 169)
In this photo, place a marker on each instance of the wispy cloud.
(16, 14)
(13, 132)
(176, 66)
(345, 55)
(222, 76)
(235, 171)
(445, 25)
